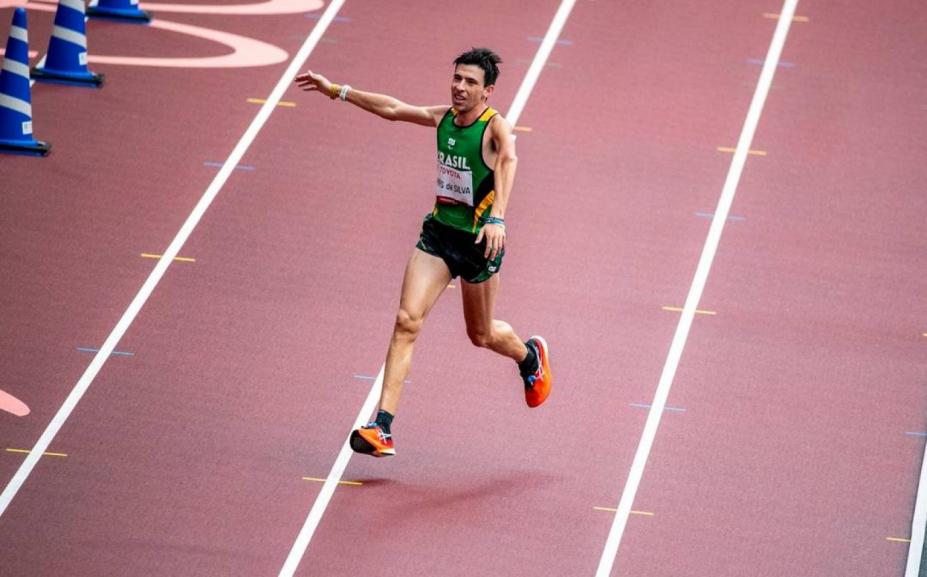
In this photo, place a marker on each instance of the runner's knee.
(480, 337)
(407, 324)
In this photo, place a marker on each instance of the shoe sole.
(545, 362)
(361, 445)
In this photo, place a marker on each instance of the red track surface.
(186, 458)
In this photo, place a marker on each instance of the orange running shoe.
(371, 440)
(537, 384)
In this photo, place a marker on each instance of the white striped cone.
(16, 94)
(66, 61)
(124, 10)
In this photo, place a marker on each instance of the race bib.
(454, 186)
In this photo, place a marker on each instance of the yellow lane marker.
(178, 258)
(898, 539)
(27, 451)
(522, 129)
(317, 480)
(794, 18)
(263, 100)
(611, 510)
(697, 311)
(753, 152)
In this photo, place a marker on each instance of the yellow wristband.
(334, 90)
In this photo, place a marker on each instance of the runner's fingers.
(492, 248)
(308, 81)
(495, 240)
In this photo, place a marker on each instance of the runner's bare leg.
(425, 279)
(482, 328)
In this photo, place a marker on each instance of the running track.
(790, 442)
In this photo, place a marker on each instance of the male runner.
(464, 235)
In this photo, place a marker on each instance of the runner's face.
(467, 89)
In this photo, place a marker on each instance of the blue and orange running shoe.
(538, 383)
(371, 440)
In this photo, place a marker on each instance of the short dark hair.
(485, 59)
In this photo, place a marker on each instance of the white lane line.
(540, 58)
(610, 551)
(301, 544)
(169, 254)
(331, 483)
(918, 524)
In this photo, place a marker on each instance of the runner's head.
(475, 74)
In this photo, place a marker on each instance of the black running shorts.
(456, 248)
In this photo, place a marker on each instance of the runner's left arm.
(382, 105)
(504, 178)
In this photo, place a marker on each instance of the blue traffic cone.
(66, 61)
(16, 95)
(127, 10)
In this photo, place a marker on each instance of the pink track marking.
(246, 52)
(267, 7)
(11, 404)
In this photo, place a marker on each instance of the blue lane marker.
(316, 16)
(711, 215)
(219, 165)
(645, 406)
(369, 378)
(92, 350)
(916, 434)
(760, 62)
(562, 41)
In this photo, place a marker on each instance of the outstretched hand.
(310, 81)
(495, 239)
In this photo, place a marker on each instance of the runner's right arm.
(380, 104)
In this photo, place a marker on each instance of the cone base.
(26, 148)
(88, 79)
(133, 16)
